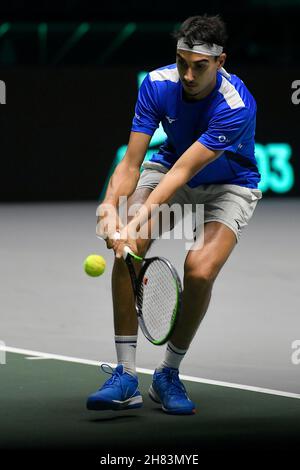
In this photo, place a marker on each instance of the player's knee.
(200, 274)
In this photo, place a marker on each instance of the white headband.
(202, 48)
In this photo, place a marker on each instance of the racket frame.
(137, 281)
(128, 257)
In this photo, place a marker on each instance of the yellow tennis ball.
(94, 265)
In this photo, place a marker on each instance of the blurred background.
(70, 73)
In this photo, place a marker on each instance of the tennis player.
(208, 158)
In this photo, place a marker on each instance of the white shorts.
(229, 204)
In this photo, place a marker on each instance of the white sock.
(173, 357)
(126, 352)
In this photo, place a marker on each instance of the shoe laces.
(115, 377)
(115, 374)
(175, 386)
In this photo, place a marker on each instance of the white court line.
(37, 358)
(42, 355)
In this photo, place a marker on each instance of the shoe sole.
(115, 405)
(154, 397)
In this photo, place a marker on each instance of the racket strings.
(157, 298)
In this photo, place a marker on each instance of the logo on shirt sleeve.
(170, 120)
(223, 138)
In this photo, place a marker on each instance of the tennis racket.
(157, 294)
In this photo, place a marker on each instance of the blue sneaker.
(120, 392)
(168, 390)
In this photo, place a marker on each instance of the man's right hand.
(108, 222)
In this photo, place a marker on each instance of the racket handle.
(127, 251)
(116, 236)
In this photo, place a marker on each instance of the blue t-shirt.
(224, 120)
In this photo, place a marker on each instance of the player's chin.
(192, 91)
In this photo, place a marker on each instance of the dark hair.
(208, 29)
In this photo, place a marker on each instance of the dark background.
(70, 70)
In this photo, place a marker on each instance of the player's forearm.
(184, 169)
(122, 183)
(190, 163)
(172, 181)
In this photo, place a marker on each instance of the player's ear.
(221, 60)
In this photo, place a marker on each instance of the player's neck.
(202, 94)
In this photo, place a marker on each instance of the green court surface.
(42, 406)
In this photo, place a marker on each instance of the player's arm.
(146, 120)
(122, 182)
(126, 175)
(234, 124)
(191, 162)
